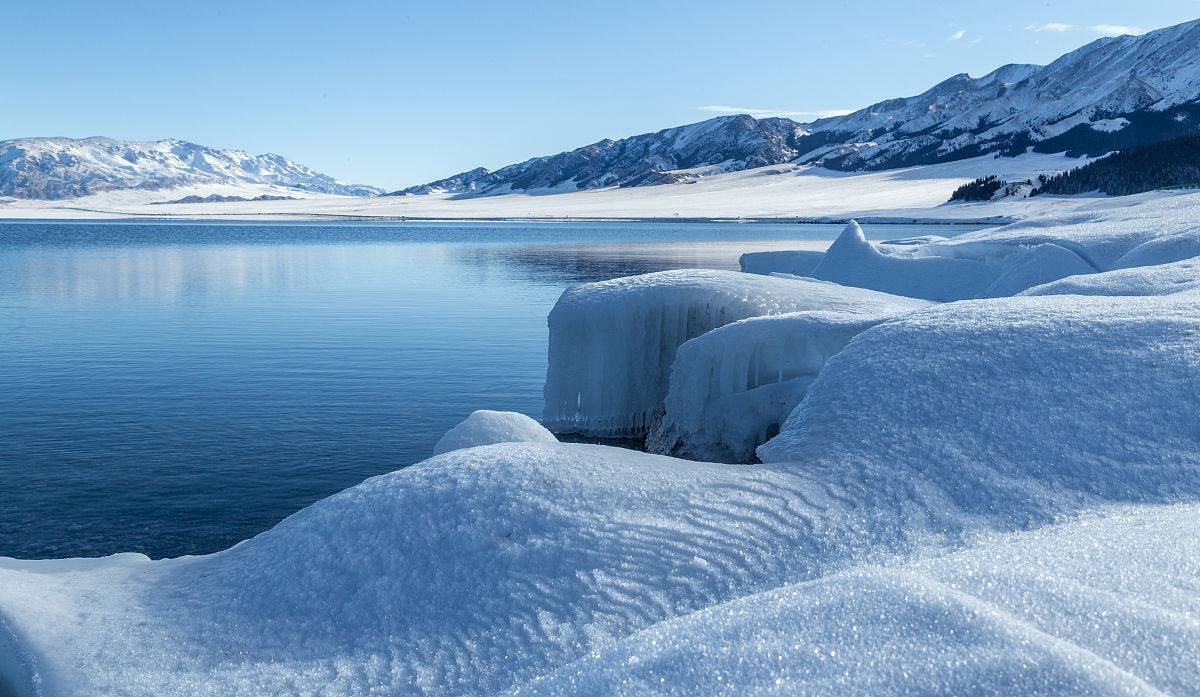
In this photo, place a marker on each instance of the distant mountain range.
(56, 168)
(1113, 93)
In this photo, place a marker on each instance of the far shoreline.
(319, 217)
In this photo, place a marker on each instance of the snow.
(461, 575)
(612, 343)
(57, 168)
(1032, 613)
(1003, 261)
(1159, 279)
(987, 496)
(773, 192)
(483, 569)
(1024, 389)
(485, 427)
(945, 270)
(1110, 76)
(1108, 125)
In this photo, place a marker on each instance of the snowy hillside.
(59, 168)
(772, 192)
(998, 494)
(1112, 93)
(726, 144)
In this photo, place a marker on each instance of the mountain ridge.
(1111, 93)
(53, 168)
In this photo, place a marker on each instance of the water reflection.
(169, 274)
(565, 264)
(165, 274)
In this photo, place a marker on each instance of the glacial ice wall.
(612, 343)
(732, 388)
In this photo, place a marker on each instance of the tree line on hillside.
(990, 187)
(1173, 162)
(1170, 163)
(982, 189)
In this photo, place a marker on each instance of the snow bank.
(999, 262)
(466, 574)
(1161, 279)
(485, 427)
(1118, 233)
(730, 389)
(612, 343)
(991, 401)
(945, 270)
(776, 192)
(480, 570)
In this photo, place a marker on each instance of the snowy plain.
(990, 484)
(773, 192)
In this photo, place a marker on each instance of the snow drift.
(1091, 607)
(1003, 261)
(485, 427)
(989, 397)
(930, 268)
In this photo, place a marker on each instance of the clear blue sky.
(397, 93)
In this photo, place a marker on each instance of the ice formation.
(485, 427)
(732, 388)
(612, 343)
(794, 263)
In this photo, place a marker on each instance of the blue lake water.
(174, 388)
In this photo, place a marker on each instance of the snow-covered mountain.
(55, 168)
(1113, 93)
(725, 144)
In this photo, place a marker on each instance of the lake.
(174, 388)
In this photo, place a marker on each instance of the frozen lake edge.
(958, 504)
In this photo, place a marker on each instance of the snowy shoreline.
(269, 217)
(982, 475)
(767, 195)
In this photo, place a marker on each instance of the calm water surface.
(174, 388)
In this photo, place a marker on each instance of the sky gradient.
(395, 94)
